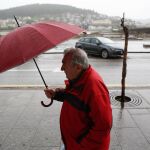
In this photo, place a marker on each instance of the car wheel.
(105, 54)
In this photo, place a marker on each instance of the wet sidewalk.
(26, 125)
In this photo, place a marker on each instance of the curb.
(41, 87)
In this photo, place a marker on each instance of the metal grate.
(131, 99)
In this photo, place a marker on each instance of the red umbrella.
(30, 40)
(26, 42)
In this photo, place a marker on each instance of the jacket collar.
(80, 80)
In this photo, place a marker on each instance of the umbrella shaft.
(34, 60)
(17, 21)
(40, 73)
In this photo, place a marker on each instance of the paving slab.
(26, 125)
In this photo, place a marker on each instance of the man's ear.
(79, 67)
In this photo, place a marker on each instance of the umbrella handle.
(47, 105)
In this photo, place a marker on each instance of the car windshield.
(105, 40)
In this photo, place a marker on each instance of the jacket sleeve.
(59, 96)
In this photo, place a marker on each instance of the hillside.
(85, 18)
(42, 10)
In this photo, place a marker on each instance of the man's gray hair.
(78, 56)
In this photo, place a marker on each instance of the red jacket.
(96, 124)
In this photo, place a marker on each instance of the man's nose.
(62, 68)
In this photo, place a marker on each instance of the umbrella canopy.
(30, 40)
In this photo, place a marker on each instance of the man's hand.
(49, 93)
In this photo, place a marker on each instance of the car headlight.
(114, 49)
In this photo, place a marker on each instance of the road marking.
(57, 69)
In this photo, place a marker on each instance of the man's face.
(71, 71)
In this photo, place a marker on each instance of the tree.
(124, 98)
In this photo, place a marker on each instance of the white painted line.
(35, 70)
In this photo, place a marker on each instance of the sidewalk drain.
(132, 99)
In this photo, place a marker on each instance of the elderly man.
(86, 115)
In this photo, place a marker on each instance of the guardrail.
(62, 52)
(138, 52)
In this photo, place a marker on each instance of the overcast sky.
(134, 9)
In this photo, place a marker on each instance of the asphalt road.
(138, 71)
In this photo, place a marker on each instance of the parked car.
(99, 46)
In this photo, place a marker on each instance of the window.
(87, 40)
(94, 41)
